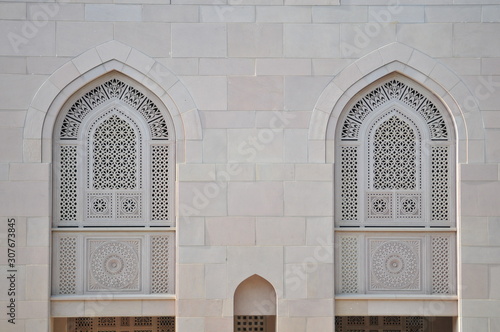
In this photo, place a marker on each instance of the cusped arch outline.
(403, 60)
(109, 57)
(255, 295)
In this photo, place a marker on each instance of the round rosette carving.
(114, 265)
(395, 265)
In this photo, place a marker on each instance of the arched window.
(255, 306)
(113, 176)
(395, 201)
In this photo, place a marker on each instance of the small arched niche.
(255, 306)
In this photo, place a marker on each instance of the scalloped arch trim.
(398, 58)
(96, 62)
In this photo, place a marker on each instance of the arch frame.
(106, 58)
(402, 60)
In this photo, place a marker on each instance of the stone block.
(283, 14)
(218, 323)
(255, 145)
(189, 324)
(56, 11)
(479, 198)
(492, 146)
(267, 262)
(396, 14)
(193, 281)
(302, 93)
(200, 308)
(283, 67)
(12, 119)
(292, 324)
(295, 281)
(255, 198)
(339, 14)
(12, 11)
(37, 283)
(314, 172)
(312, 2)
(475, 231)
(216, 281)
(358, 39)
(12, 65)
(73, 38)
(474, 40)
(493, 229)
(494, 276)
(227, 119)
(227, 13)
(491, 14)
(17, 91)
(280, 231)
(283, 119)
(255, 40)
(274, 172)
(475, 324)
(191, 231)
(455, 13)
(172, 14)
(202, 199)
(311, 307)
(151, 38)
(474, 281)
(233, 67)
(417, 36)
(475, 172)
(38, 232)
(463, 66)
(199, 40)
(113, 13)
(308, 198)
(202, 255)
(329, 67)
(296, 145)
(481, 308)
(29, 172)
(45, 65)
(26, 38)
(490, 66)
(255, 93)
(230, 231)
(312, 41)
(11, 144)
(209, 93)
(320, 281)
(215, 146)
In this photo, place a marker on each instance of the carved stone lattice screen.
(254, 323)
(396, 262)
(395, 160)
(381, 324)
(121, 324)
(113, 262)
(113, 159)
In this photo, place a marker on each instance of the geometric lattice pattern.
(67, 263)
(162, 264)
(86, 262)
(440, 183)
(113, 265)
(395, 263)
(113, 89)
(381, 156)
(349, 264)
(349, 183)
(117, 118)
(121, 324)
(68, 183)
(160, 182)
(442, 262)
(114, 155)
(243, 323)
(394, 90)
(394, 156)
(380, 324)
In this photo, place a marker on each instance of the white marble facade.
(253, 91)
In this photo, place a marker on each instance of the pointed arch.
(106, 58)
(402, 60)
(255, 305)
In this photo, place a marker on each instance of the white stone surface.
(199, 40)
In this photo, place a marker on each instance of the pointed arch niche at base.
(397, 59)
(255, 305)
(104, 59)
